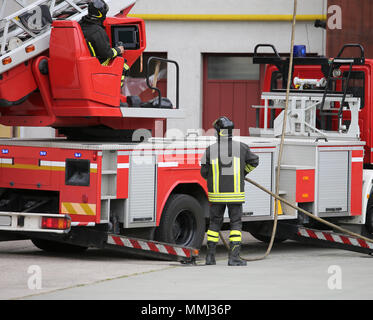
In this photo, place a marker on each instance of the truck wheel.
(369, 220)
(267, 239)
(182, 222)
(54, 246)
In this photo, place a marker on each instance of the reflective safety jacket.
(224, 166)
(97, 40)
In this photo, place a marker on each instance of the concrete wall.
(186, 41)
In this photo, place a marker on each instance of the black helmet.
(97, 9)
(223, 126)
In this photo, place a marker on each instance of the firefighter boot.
(234, 255)
(210, 256)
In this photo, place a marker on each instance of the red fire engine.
(111, 183)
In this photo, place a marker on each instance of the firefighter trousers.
(217, 216)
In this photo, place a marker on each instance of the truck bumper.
(35, 222)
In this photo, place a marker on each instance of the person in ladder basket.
(224, 166)
(96, 37)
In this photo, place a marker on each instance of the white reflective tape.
(143, 245)
(45, 163)
(320, 235)
(303, 232)
(180, 252)
(357, 159)
(126, 242)
(167, 164)
(354, 242)
(123, 165)
(336, 238)
(93, 165)
(85, 224)
(161, 248)
(6, 160)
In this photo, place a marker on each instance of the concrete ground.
(292, 271)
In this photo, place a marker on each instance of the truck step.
(150, 248)
(327, 238)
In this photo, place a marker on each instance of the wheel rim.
(184, 227)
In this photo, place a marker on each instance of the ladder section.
(25, 33)
(302, 115)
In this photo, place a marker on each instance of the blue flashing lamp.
(299, 51)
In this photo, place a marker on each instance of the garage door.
(231, 86)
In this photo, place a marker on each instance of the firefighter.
(224, 166)
(96, 37)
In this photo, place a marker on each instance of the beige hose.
(281, 145)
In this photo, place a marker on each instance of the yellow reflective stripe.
(115, 52)
(235, 235)
(249, 168)
(78, 208)
(223, 132)
(212, 239)
(100, 14)
(215, 175)
(224, 193)
(229, 195)
(226, 199)
(213, 233)
(126, 66)
(92, 50)
(212, 236)
(237, 174)
(106, 62)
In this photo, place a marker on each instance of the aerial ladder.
(63, 87)
(43, 51)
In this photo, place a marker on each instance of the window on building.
(232, 68)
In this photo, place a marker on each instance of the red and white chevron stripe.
(83, 224)
(334, 237)
(151, 246)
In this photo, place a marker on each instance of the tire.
(369, 220)
(262, 231)
(57, 247)
(182, 222)
(267, 239)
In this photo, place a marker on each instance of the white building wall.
(186, 41)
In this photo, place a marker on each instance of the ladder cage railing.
(17, 34)
(19, 42)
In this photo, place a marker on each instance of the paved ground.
(292, 271)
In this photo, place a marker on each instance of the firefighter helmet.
(223, 126)
(97, 9)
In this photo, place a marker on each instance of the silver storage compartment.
(142, 184)
(333, 182)
(257, 202)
